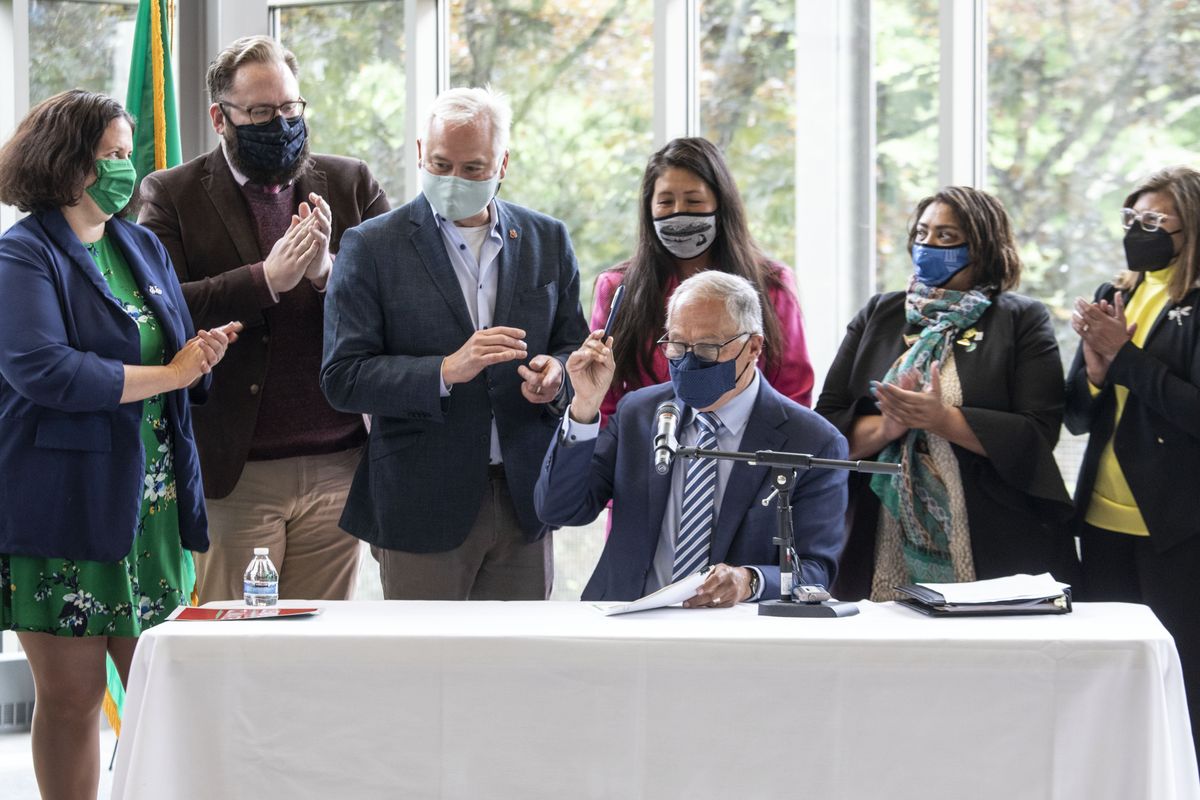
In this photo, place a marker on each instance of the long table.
(555, 700)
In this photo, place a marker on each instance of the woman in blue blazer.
(1134, 387)
(100, 495)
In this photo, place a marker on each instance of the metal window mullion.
(426, 72)
(962, 112)
(834, 161)
(14, 87)
(231, 19)
(286, 3)
(676, 73)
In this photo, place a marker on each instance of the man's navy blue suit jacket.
(577, 481)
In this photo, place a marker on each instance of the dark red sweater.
(294, 419)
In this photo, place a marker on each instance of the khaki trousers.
(290, 506)
(494, 563)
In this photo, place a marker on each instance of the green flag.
(150, 100)
(151, 96)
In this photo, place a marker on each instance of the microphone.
(665, 444)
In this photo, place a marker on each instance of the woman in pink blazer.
(692, 219)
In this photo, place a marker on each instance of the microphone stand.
(784, 472)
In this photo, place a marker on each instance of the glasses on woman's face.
(704, 352)
(1149, 220)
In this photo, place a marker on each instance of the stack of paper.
(1015, 594)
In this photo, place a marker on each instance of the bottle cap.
(261, 551)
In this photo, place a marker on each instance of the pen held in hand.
(612, 311)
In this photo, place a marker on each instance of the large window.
(1085, 98)
(831, 134)
(747, 91)
(79, 45)
(906, 130)
(352, 66)
(580, 79)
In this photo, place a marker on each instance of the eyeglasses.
(265, 115)
(707, 353)
(1149, 220)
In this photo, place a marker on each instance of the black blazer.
(1017, 506)
(394, 309)
(1157, 442)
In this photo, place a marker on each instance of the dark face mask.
(1146, 252)
(273, 153)
(699, 384)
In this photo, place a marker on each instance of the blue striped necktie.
(699, 495)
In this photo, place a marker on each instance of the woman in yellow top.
(1135, 388)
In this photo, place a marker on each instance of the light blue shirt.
(734, 417)
(479, 280)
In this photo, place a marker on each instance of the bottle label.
(260, 587)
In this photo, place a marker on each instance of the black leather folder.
(927, 601)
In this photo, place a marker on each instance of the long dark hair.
(643, 311)
(53, 151)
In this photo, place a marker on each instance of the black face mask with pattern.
(1148, 251)
(270, 154)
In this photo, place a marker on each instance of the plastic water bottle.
(260, 584)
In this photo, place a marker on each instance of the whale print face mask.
(686, 235)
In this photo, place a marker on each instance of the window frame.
(834, 256)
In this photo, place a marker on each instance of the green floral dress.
(69, 597)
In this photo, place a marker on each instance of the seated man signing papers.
(704, 511)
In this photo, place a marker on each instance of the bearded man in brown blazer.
(252, 228)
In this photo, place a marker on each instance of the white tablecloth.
(554, 700)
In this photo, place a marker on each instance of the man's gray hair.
(463, 106)
(741, 298)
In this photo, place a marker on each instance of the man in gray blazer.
(449, 320)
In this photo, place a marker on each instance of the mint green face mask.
(115, 179)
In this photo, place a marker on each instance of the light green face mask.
(458, 198)
(115, 179)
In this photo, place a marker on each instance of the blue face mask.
(936, 265)
(699, 384)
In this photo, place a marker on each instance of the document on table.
(193, 614)
(672, 594)
(996, 590)
(1015, 594)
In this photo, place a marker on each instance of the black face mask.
(272, 153)
(1147, 252)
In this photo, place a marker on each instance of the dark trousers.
(1121, 568)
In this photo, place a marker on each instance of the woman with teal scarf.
(959, 380)
(100, 495)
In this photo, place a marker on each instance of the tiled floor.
(16, 770)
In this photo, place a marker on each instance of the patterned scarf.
(917, 497)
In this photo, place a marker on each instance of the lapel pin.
(152, 289)
(512, 233)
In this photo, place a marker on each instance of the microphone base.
(787, 608)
